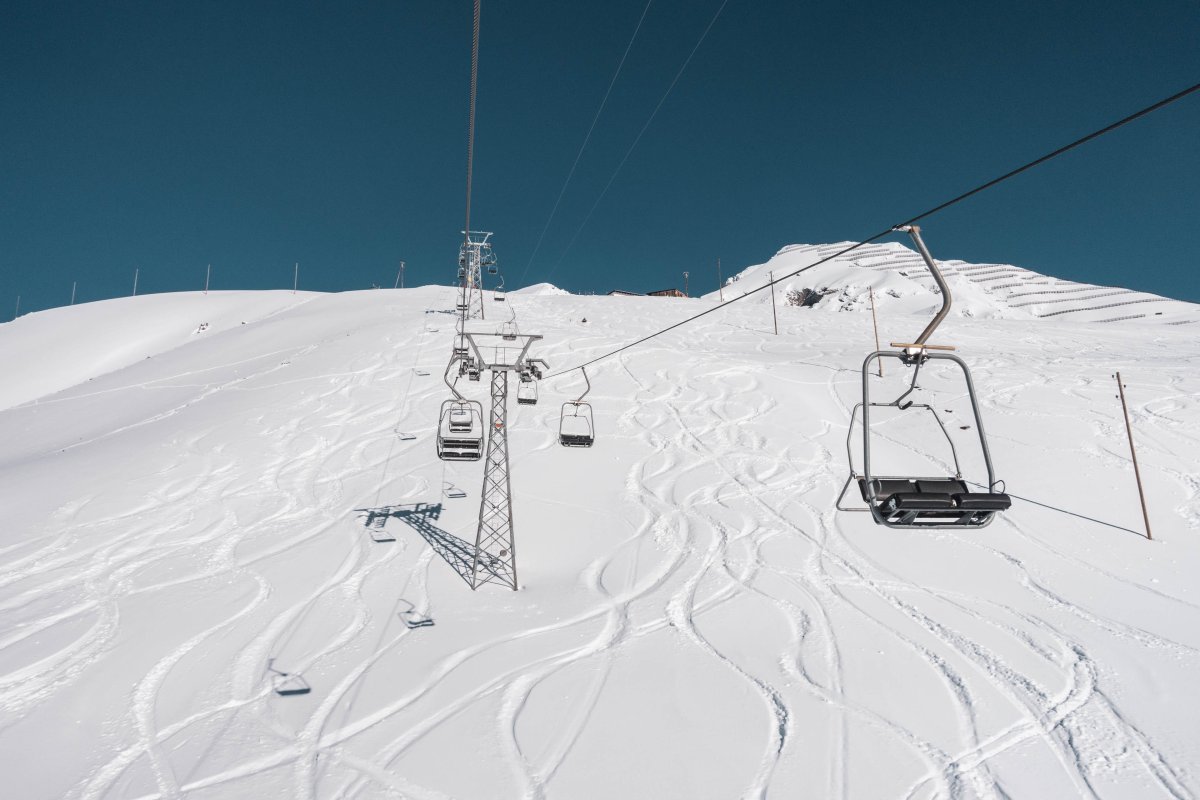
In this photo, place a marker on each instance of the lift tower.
(474, 256)
(495, 546)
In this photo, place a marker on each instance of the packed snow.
(214, 502)
(899, 279)
(541, 290)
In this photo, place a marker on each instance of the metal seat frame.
(455, 445)
(579, 410)
(527, 392)
(949, 510)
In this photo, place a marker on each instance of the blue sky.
(167, 136)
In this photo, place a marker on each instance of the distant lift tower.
(474, 256)
(495, 547)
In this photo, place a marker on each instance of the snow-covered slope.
(541, 290)
(48, 351)
(695, 621)
(902, 283)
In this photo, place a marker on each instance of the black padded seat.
(885, 487)
(574, 440)
(983, 501)
(941, 486)
(918, 501)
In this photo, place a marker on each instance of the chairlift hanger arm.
(915, 232)
(446, 378)
(579, 399)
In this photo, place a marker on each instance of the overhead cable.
(586, 139)
(471, 119)
(886, 231)
(637, 139)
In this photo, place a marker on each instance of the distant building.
(621, 293)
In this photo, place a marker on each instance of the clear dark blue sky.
(253, 135)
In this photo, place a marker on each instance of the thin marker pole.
(1133, 454)
(685, 285)
(135, 277)
(400, 277)
(875, 325)
(73, 285)
(720, 283)
(17, 313)
(296, 278)
(207, 275)
(774, 313)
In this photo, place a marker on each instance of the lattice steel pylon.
(495, 541)
(474, 255)
(495, 547)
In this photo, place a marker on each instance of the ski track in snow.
(723, 513)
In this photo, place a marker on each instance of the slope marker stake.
(1137, 474)
(774, 313)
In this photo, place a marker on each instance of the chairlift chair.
(576, 424)
(460, 430)
(527, 392)
(460, 425)
(907, 501)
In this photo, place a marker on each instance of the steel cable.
(586, 139)
(636, 140)
(943, 206)
(471, 118)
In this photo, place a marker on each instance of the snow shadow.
(458, 553)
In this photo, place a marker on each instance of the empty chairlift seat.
(460, 431)
(575, 425)
(927, 502)
(527, 393)
(921, 502)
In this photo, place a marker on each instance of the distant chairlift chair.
(460, 426)
(576, 425)
(527, 391)
(922, 502)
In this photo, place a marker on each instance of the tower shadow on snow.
(458, 553)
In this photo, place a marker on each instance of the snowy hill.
(696, 620)
(902, 283)
(541, 290)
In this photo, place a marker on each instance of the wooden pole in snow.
(400, 277)
(135, 277)
(875, 325)
(296, 278)
(207, 275)
(1133, 454)
(73, 285)
(17, 313)
(720, 283)
(774, 313)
